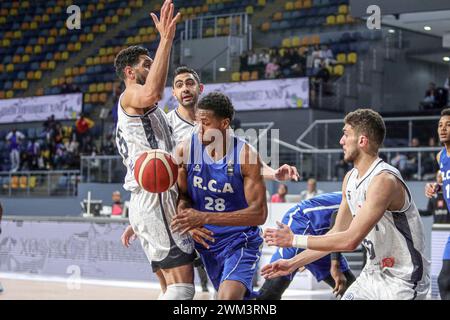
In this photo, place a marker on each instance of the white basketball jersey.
(137, 134)
(182, 128)
(396, 244)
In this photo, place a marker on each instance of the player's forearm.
(306, 257)
(268, 172)
(157, 77)
(251, 216)
(335, 242)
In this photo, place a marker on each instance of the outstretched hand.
(280, 237)
(277, 269)
(287, 173)
(166, 24)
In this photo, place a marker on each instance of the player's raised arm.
(148, 94)
(255, 193)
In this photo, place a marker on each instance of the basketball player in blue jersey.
(315, 216)
(443, 158)
(222, 189)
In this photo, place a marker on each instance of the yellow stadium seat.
(226, 31)
(23, 182)
(65, 55)
(32, 182)
(295, 41)
(17, 34)
(24, 84)
(209, 32)
(306, 41)
(108, 20)
(286, 43)
(205, 8)
(9, 94)
(37, 75)
(331, 20)
(341, 58)
(338, 70)
(69, 80)
(87, 98)
(87, 14)
(14, 182)
(220, 22)
(45, 18)
(16, 59)
(89, 61)
(71, 47)
(33, 25)
(352, 57)
(103, 28)
(315, 39)
(190, 10)
(2, 20)
(198, 10)
(41, 41)
(349, 19)
(289, 6)
(54, 82)
(61, 81)
(265, 26)
(30, 74)
(261, 3)
(307, 3)
(9, 67)
(96, 60)
(2, 94)
(127, 12)
(92, 88)
(277, 16)
(254, 75)
(52, 65)
(249, 10)
(343, 9)
(68, 72)
(58, 9)
(6, 42)
(298, 5)
(90, 37)
(77, 46)
(340, 19)
(82, 70)
(96, 29)
(16, 85)
(115, 19)
(100, 6)
(40, 92)
(28, 50)
(236, 76)
(75, 71)
(103, 97)
(50, 40)
(94, 98)
(109, 86)
(245, 76)
(100, 87)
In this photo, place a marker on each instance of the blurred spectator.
(32, 153)
(243, 61)
(429, 164)
(252, 61)
(447, 82)
(82, 127)
(311, 190)
(280, 196)
(117, 206)
(430, 97)
(14, 139)
(272, 69)
(321, 78)
(109, 147)
(327, 55)
(437, 206)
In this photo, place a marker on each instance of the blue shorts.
(238, 261)
(447, 250)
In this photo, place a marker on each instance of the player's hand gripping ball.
(156, 171)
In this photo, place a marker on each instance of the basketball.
(156, 171)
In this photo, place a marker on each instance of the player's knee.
(179, 291)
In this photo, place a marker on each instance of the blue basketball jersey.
(316, 212)
(444, 167)
(218, 186)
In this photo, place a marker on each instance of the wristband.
(300, 241)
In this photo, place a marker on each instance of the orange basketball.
(156, 171)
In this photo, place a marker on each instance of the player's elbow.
(262, 216)
(351, 244)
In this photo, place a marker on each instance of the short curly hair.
(369, 123)
(219, 103)
(128, 57)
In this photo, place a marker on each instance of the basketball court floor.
(19, 287)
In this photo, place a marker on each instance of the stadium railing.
(39, 183)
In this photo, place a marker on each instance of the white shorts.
(376, 285)
(150, 217)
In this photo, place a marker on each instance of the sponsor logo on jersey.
(388, 262)
(197, 168)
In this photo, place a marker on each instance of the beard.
(350, 157)
(140, 79)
